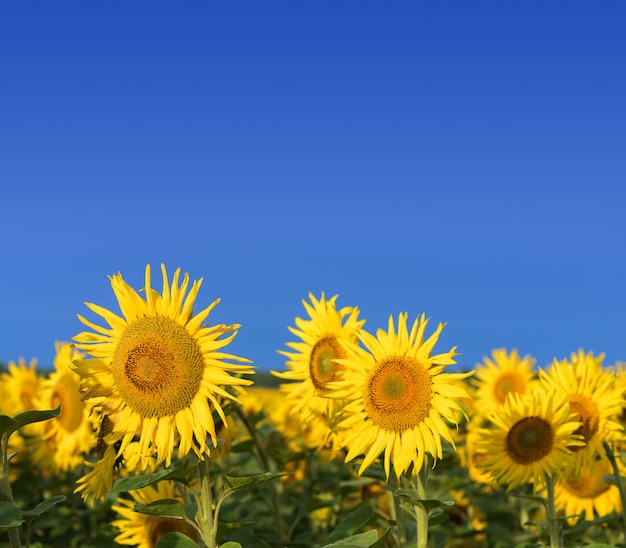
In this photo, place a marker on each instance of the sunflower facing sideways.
(145, 530)
(158, 371)
(594, 396)
(587, 494)
(529, 437)
(59, 444)
(397, 396)
(313, 362)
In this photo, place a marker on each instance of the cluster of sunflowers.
(146, 428)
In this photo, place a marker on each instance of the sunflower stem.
(610, 454)
(398, 513)
(5, 487)
(265, 462)
(421, 515)
(204, 517)
(553, 524)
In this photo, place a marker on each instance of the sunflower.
(587, 493)
(145, 530)
(397, 396)
(531, 435)
(60, 442)
(20, 387)
(594, 396)
(495, 379)
(313, 363)
(158, 369)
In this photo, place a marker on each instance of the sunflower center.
(157, 366)
(322, 365)
(506, 383)
(398, 393)
(67, 395)
(159, 526)
(588, 414)
(529, 440)
(589, 485)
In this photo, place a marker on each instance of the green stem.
(610, 453)
(204, 517)
(553, 524)
(398, 513)
(5, 488)
(421, 515)
(265, 462)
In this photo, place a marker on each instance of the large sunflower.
(60, 443)
(158, 370)
(587, 493)
(530, 436)
(145, 530)
(495, 378)
(313, 363)
(397, 396)
(594, 396)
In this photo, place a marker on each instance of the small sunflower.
(594, 396)
(587, 493)
(158, 370)
(20, 387)
(397, 398)
(145, 530)
(495, 379)
(60, 443)
(314, 362)
(530, 436)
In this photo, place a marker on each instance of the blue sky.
(464, 159)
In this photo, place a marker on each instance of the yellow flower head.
(397, 396)
(530, 436)
(595, 398)
(495, 379)
(20, 387)
(313, 364)
(145, 530)
(587, 493)
(59, 443)
(158, 369)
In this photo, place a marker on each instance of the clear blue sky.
(462, 159)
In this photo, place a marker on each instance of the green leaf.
(179, 473)
(428, 504)
(175, 540)
(165, 507)
(44, 506)
(10, 515)
(230, 544)
(7, 424)
(356, 519)
(234, 483)
(362, 540)
(28, 417)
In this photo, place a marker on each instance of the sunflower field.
(149, 433)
